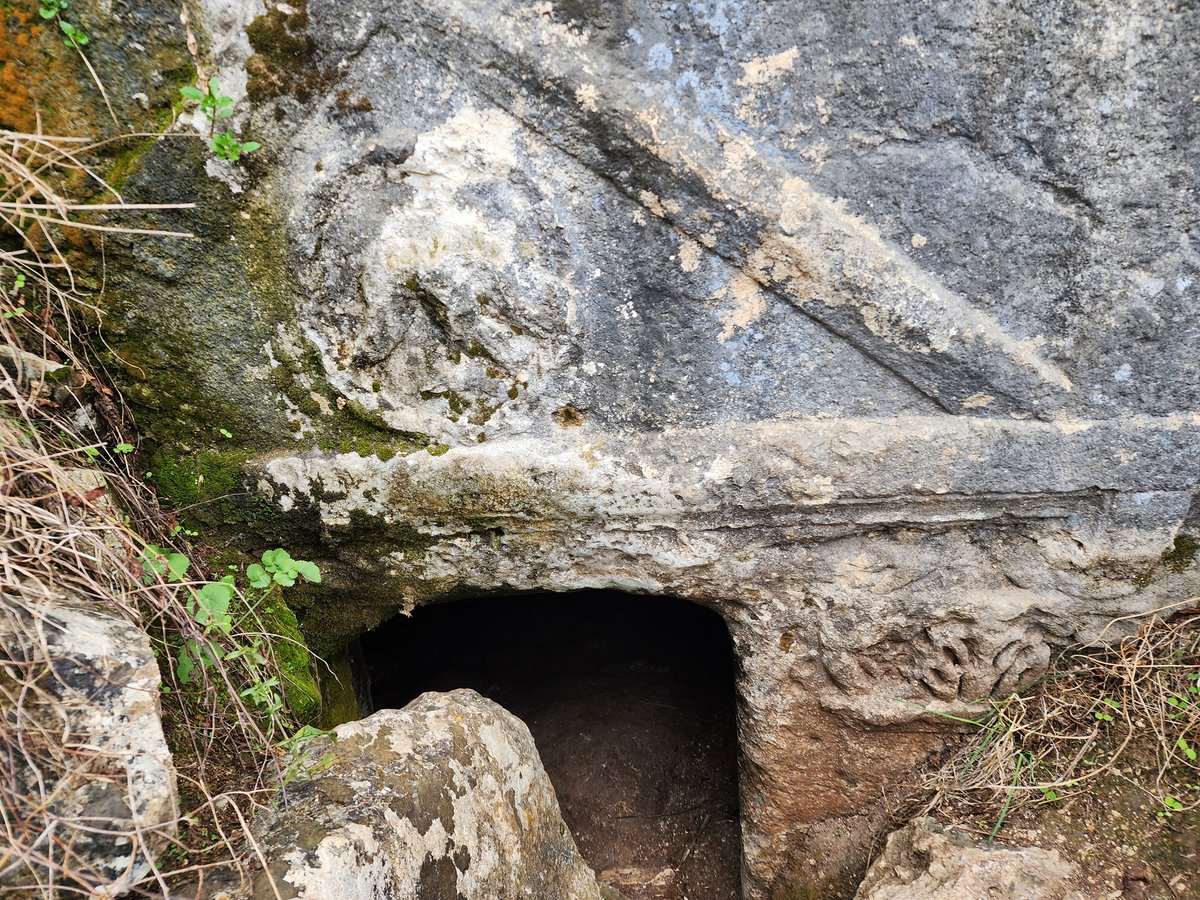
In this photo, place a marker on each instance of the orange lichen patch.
(38, 75)
(16, 102)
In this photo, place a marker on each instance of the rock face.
(81, 688)
(873, 330)
(923, 861)
(445, 798)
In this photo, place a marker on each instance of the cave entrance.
(631, 702)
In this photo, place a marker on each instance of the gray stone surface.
(925, 861)
(871, 327)
(87, 762)
(445, 798)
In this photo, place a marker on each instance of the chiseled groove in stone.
(795, 241)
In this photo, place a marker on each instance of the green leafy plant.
(1104, 715)
(49, 9)
(211, 606)
(123, 448)
(216, 105)
(18, 279)
(1172, 805)
(212, 102)
(227, 146)
(295, 746)
(73, 35)
(279, 567)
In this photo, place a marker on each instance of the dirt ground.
(1112, 829)
(631, 703)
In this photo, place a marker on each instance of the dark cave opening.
(631, 703)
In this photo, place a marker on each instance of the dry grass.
(75, 522)
(1077, 724)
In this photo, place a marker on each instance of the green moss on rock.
(283, 56)
(293, 657)
(339, 700)
(197, 478)
(1180, 556)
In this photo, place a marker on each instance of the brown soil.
(631, 703)
(1112, 828)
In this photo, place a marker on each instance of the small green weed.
(212, 102)
(18, 280)
(1171, 805)
(278, 566)
(48, 9)
(1104, 715)
(73, 35)
(216, 105)
(75, 38)
(210, 606)
(227, 146)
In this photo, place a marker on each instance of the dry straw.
(1099, 706)
(75, 523)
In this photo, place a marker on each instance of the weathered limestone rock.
(444, 798)
(81, 702)
(874, 331)
(924, 861)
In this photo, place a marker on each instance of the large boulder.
(925, 861)
(443, 799)
(89, 778)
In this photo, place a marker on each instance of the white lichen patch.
(651, 201)
(978, 401)
(586, 96)
(764, 69)
(689, 255)
(747, 304)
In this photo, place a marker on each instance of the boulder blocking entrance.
(631, 703)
